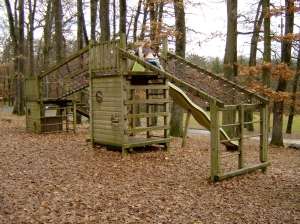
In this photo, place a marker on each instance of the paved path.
(196, 131)
(6, 109)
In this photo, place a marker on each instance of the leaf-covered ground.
(59, 178)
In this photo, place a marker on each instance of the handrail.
(74, 91)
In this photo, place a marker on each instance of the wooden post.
(124, 110)
(74, 117)
(214, 139)
(264, 134)
(167, 117)
(38, 118)
(124, 96)
(123, 46)
(91, 60)
(186, 128)
(39, 105)
(1, 103)
(132, 111)
(165, 51)
(125, 150)
(148, 110)
(241, 136)
(166, 109)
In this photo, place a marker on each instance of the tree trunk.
(277, 136)
(104, 20)
(142, 35)
(230, 63)
(252, 59)
(17, 37)
(152, 20)
(294, 90)
(58, 30)
(84, 30)
(47, 37)
(19, 102)
(176, 122)
(136, 18)
(93, 19)
(14, 39)
(122, 24)
(30, 37)
(79, 25)
(79, 43)
(82, 36)
(159, 20)
(267, 47)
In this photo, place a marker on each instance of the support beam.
(186, 128)
(223, 176)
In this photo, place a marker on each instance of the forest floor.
(60, 178)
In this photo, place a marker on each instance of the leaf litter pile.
(60, 178)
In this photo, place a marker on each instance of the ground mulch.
(60, 178)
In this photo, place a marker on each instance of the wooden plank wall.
(104, 56)
(32, 116)
(104, 131)
(31, 90)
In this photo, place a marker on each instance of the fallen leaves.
(59, 178)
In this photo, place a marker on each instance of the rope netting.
(70, 77)
(215, 86)
(73, 75)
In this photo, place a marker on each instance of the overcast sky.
(211, 21)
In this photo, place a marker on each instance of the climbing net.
(214, 85)
(69, 77)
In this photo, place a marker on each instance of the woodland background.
(36, 35)
(59, 178)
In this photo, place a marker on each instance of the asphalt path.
(293, 142)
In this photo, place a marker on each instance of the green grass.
(295, 126)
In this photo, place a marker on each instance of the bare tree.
(104, 20)
(79, 25)
(16, 27)
(176, 122)
(143, 30)
(152, 10)
(58, 30)
(230, 61)
(32, 9)
(136, 18)
(47, 36)
(93, 19)
(122, 28)
(277, 136)
(253, 53)
(294, 90)
(267, 44)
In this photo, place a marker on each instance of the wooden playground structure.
(108, 74)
